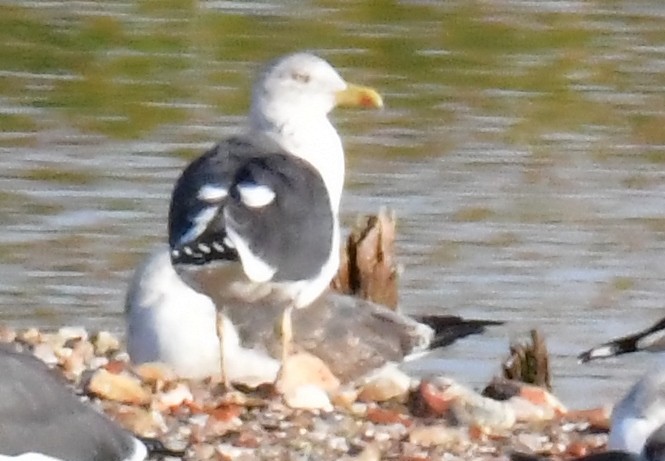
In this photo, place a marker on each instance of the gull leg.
(222, 353)
(287, 333)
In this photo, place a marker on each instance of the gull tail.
(450, 328)
(157, 448)
(651, 339)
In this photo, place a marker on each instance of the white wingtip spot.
(600, 352)
(256, 195)
(210, 193)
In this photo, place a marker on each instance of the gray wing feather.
(352, 336)
(38, 413)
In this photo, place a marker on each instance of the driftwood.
(367, 266)
(529, 363)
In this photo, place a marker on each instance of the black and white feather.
(638, 419)
(651, 339)
(269, 211)
(197, 228)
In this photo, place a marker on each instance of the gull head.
(290, 104)
(304, 85)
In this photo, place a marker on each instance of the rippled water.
(522, 146)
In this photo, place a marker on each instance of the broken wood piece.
(367, 264)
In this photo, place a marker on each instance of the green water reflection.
(124, 73)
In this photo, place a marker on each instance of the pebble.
(7, 334)
(531, 443)
(105, 343)
(371, 453)
(72, 333)
(436, 435)
(118, 388)
(305, 369)
(140, 421)
(338, 444)
(386, 384)
(445, 396)
(174, 397)
(155, 372)
(31, 336)
(307, 397)
(232, 452)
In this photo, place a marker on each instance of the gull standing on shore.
(256, 217)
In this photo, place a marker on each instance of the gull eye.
(300, 77)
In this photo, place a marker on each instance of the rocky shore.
(388, 417)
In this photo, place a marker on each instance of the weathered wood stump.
(367, 266)
(529, 362)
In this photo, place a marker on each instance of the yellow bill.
(358, 96)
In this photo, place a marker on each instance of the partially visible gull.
(612, 455)
(42, 420)
(654, 450)
(638, 420)
(170, 322)
(269, 240)
(651, 339)
(256, 217)
(640, 415)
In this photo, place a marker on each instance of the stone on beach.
(385, 384)
(120, 387)
(306, 382)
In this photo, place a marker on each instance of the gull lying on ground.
(170, 322)
(42, 420)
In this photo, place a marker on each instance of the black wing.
(196, 215)
(293, 232)
(651, 339)
(215, 214)
(450, 328)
